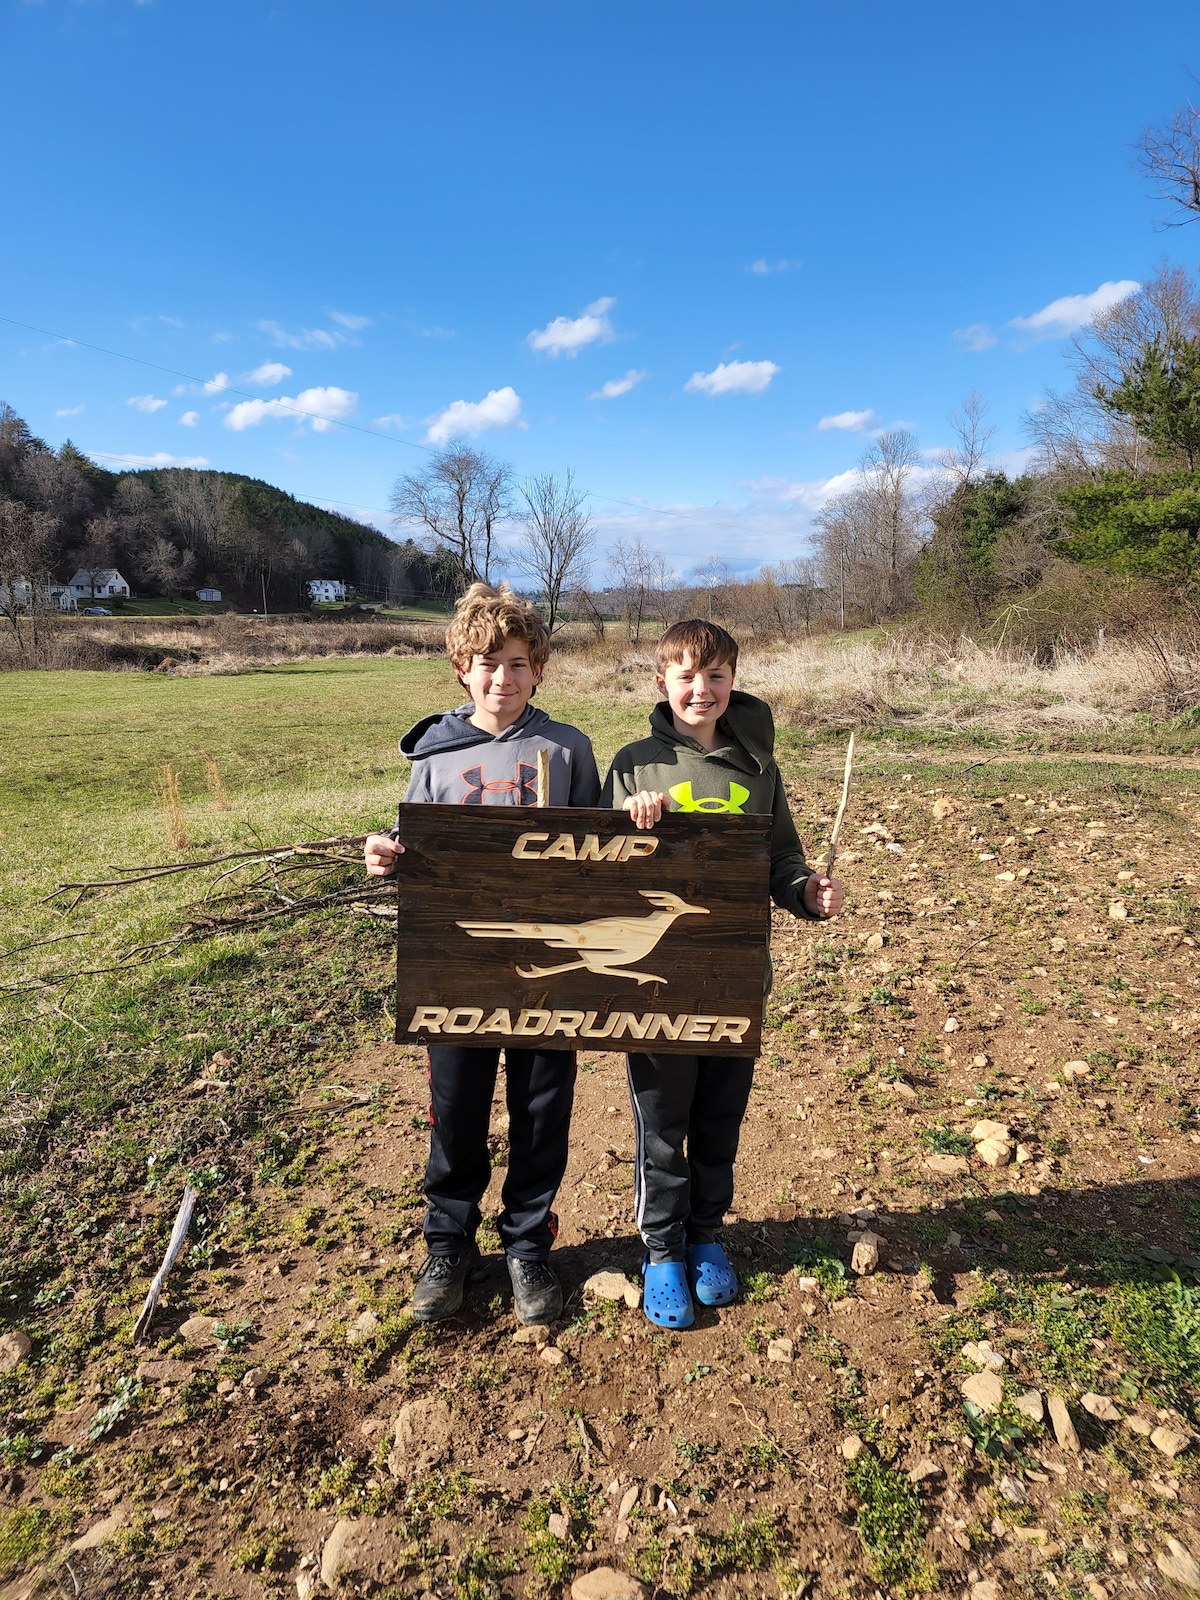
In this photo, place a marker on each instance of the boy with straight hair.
(485, 753)
(711, 749)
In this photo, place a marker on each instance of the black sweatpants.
(540, 1088)
(696, 1102)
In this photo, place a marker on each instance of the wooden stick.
(543, 778)
(841, 811)
(178, 1234)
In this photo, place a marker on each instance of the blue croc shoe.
(710, 1275)
(665, 1297)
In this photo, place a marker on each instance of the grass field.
(1048, 908)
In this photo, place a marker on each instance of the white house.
(20, 596)
(210, 595)
(326, 589)
(102, 583)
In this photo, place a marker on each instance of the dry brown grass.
(215, 784)
(836, 681)
(166, 790)
(885, 679)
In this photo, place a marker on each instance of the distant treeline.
(170, 531)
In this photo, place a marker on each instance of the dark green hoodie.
(740, 777)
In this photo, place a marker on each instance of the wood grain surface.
(661, 935)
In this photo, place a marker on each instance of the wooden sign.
(569, 929)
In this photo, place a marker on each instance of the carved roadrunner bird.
(605, 945)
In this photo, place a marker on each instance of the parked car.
(96, 611)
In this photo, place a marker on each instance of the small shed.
(210, 596)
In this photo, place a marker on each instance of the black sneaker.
(537, 1293)
(439, 1291)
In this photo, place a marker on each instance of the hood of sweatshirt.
(452, 730)
(747, 720)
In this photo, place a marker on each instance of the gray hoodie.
(456, 763)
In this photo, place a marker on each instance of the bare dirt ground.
(1023, 957)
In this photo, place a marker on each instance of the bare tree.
(974, 434)
(638, 576)
(868, 538)
(713, 576)
(201, 506)
(1075, 435)
(27, 547)
(459, 502)
(1169, 155)
(169, 568)
(555, 538)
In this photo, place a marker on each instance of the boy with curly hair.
(485, 752)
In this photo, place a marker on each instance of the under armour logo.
(682, 796)
(524, 785)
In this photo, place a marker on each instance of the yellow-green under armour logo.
(682, 796)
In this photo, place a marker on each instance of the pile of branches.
(248, 888)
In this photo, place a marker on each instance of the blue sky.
(741, 219)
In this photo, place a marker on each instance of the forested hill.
(172, 530)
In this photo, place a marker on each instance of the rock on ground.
(866, 1254)
(987, 1129)
(198, 1332)
(344, 1551)
(100, 1531)
(1060, 1421)
(1030, 1405)
(994, 1152)
(1169, 1441)
(606, 1583)
(14, 1347)
(607, 1286)
(1100, 1407)
(364, 1328)
(420, 1434)
(1178, 1562)
(985, 1389)
(532, 1333)
(946, 1166)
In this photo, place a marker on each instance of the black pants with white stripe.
(687, 1114)
(539, 1088)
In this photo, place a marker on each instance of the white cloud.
(763, 268)
(619, 386)
(306, 339)
(392, 420)
(847, 422)
(271, 372)
(499, 408)
(1071, 312)
(160, 459)
(977, 336)
(323, 407)
(215, 384)
(733, 377)
(69, 411)
(567, 336)
(189, 419)
(149, 403)
(347, 319)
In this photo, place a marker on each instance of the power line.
(337, 422)
(225, 388)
